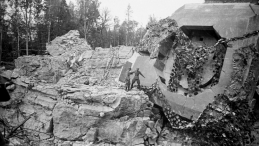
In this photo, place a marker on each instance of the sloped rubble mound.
(82, 115)
(58, 100)
(72, 60)
(67, 44)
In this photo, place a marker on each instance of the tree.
(2, 13)
(26, 8)
(58, 18)
(116, 31)
(123, 33)
(50, 14)
(139, 35)
(29, 24)
(1, 35)
(128, 14)
(89, 14)
(64, 17)
(105, 19)
(74, 19)
(16, 23)
(152, 20)
(132, 24)
(40, 29)
(71, 7)
(127, 32)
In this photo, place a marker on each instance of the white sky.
(142, 9)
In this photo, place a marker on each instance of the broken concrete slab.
(45, 102)
(68, 124)
(216, 67)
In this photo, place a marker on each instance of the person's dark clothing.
(127, 81)
(4, 93)
(2, 140)
(136, 78)
(127, 85)
(137, 73)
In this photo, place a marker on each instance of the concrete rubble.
(74, 105)
(73, 99)
(165, 38)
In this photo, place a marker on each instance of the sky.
(142, 9)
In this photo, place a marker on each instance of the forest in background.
(27, 25)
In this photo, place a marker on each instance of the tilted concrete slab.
(129, 64)
(124, 70)
(146, 67)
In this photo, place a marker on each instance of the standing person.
(127, 81)
(136, 78)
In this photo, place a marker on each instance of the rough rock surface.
(40, 68)
(71, 60)
(82, 113)
(67, 44)
(64, 101)
(67, 104)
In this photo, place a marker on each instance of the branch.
(17, 127)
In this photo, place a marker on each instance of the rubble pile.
(67, 44)
(84, 63)
(39, 69)
(157, 34)
(70, 98)
(58, 104)
(72, 60)
(82, 115)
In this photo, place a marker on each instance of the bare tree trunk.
(29, 28)
(58, 22)
(127, 37)
(127, 31)
(84, 4)
(18, 42)
(140, 36)
(106, 36)
(133, 42)
(114, 38)
(27, 42)
(49, 32)
(1, 31)
(85, 29)
(27, 35)
(49, 22)
(41, 43)
(102, 37)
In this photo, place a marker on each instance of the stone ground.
(72, 99)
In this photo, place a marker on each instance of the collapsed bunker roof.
(192, 71)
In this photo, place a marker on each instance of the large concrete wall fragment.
(211, 67)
